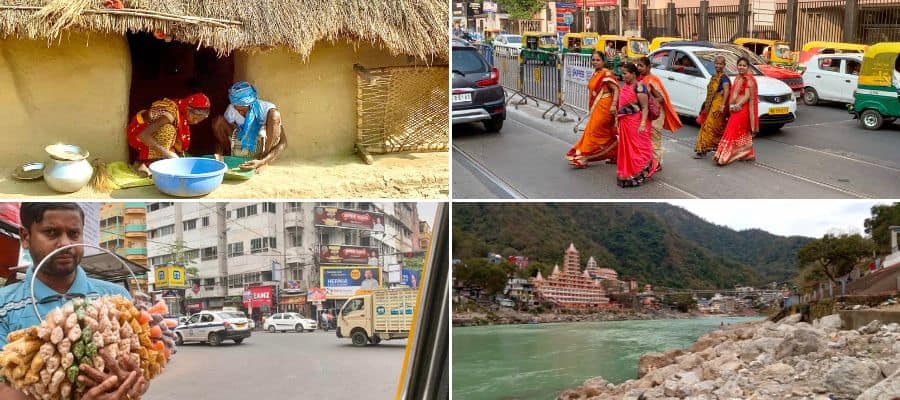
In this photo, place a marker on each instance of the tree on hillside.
(682, 302)
(479, 272)
(836, 255)
(883, 216)
(522, 9)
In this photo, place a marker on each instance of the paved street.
(824, 153)
(282, 365)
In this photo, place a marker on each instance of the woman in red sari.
(599, 139)
(163, 130)
(635, 161)
(737, 140)
(668, 118)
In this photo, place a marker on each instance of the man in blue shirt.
(46, 227)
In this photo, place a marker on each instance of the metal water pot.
(68, 169)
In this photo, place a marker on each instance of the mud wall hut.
(75, 71)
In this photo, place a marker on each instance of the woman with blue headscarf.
(250, 128)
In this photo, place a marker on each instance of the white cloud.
(811, 218)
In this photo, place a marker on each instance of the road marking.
(480, 169)
(818, 124)
(889, 168)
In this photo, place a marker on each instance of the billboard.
(258, 296)
(170, 276)
(410, 278)
(596, 3)
(315, 295)
(518, 261)
(343, 282)
(565, 16)
(353, 219)
(294, 287)
(348, 255)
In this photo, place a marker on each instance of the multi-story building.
(424, 239)
(123, 230)
(570, 288)
(234, 250)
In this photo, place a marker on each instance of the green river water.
(537, 362)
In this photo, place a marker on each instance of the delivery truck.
(376, 315)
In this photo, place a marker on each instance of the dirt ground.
(396, 176)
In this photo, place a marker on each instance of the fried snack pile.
(43, 361)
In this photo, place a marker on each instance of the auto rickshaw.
(635, 47)
(819, 47)
(776, 52)
(662, 40)
(539, 45)
(488, 35)
(583, 43)
(876, 98)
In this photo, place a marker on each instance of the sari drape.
(737, 141)
(635, 161)
(598, 142)
(713, 127)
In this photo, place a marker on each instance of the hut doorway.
(173, 69)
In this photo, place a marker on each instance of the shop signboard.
(343, 281)
(258, 296)
(348, 255)
(352, 219)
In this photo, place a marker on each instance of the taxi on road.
(214, 327)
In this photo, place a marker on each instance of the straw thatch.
(412, 27)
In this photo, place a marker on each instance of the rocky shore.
(768, 360)
(509, 317)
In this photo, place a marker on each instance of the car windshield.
(782, 51)
(514, 39)
(468, 61)
(231, 314)
(590, 42)
(640, 47)
(297, 316)
(708, 59)
(548, 40)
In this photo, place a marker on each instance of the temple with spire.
(571, 288)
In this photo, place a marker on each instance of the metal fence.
(577, 73)
(506, 59)
(542, 78)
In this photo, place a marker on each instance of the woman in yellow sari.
(599, 139)
(714, 114)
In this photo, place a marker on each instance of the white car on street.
(213, 327)
(831, 77)
(509, 40)
(289, 322)
(687, 84)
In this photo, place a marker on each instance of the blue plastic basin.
(188, 177)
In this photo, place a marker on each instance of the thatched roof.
(412, 27)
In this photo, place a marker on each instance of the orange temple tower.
(570, 288)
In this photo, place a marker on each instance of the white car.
(831, 77)
(289, 322)
(213, 327)
(687, 85)
(509, 40)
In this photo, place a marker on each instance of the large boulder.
(802, 341)
(887, 389)
(730, 390)
(830, 322)
(653, 361)
(851, 376)
(779, 372)
(871, 328)
(791, 319)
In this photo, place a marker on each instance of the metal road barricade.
(506, 60)
(542, 79)
(487, 51)
(577, 72)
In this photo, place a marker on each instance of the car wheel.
(493, 124)
(298, 328)
(375, 340)
(271, 328)
(214, 339)
(178, 339)
(871, 119)
(810, 97)
(239, 340)
(359, 338)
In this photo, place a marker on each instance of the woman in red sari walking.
(598, 142)
(737, 140)
(635, 161)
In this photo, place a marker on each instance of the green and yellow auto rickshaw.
(488, 35)
(776, 52)
(540, 46)
(619, 50)
(876, 99)
(662, 40)
(584, 42)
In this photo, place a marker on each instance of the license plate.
(462, 98)
(240, 326)
(778, 110)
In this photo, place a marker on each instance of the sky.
(812, 218)
(427, 211)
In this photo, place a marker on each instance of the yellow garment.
(124, 177)
(714, 126)
(167, 134)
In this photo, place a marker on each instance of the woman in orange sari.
(668, 118)
(743, 124)
(635, 161)
(599, 139)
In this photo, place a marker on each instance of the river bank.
(767, 360)
(513, 317)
